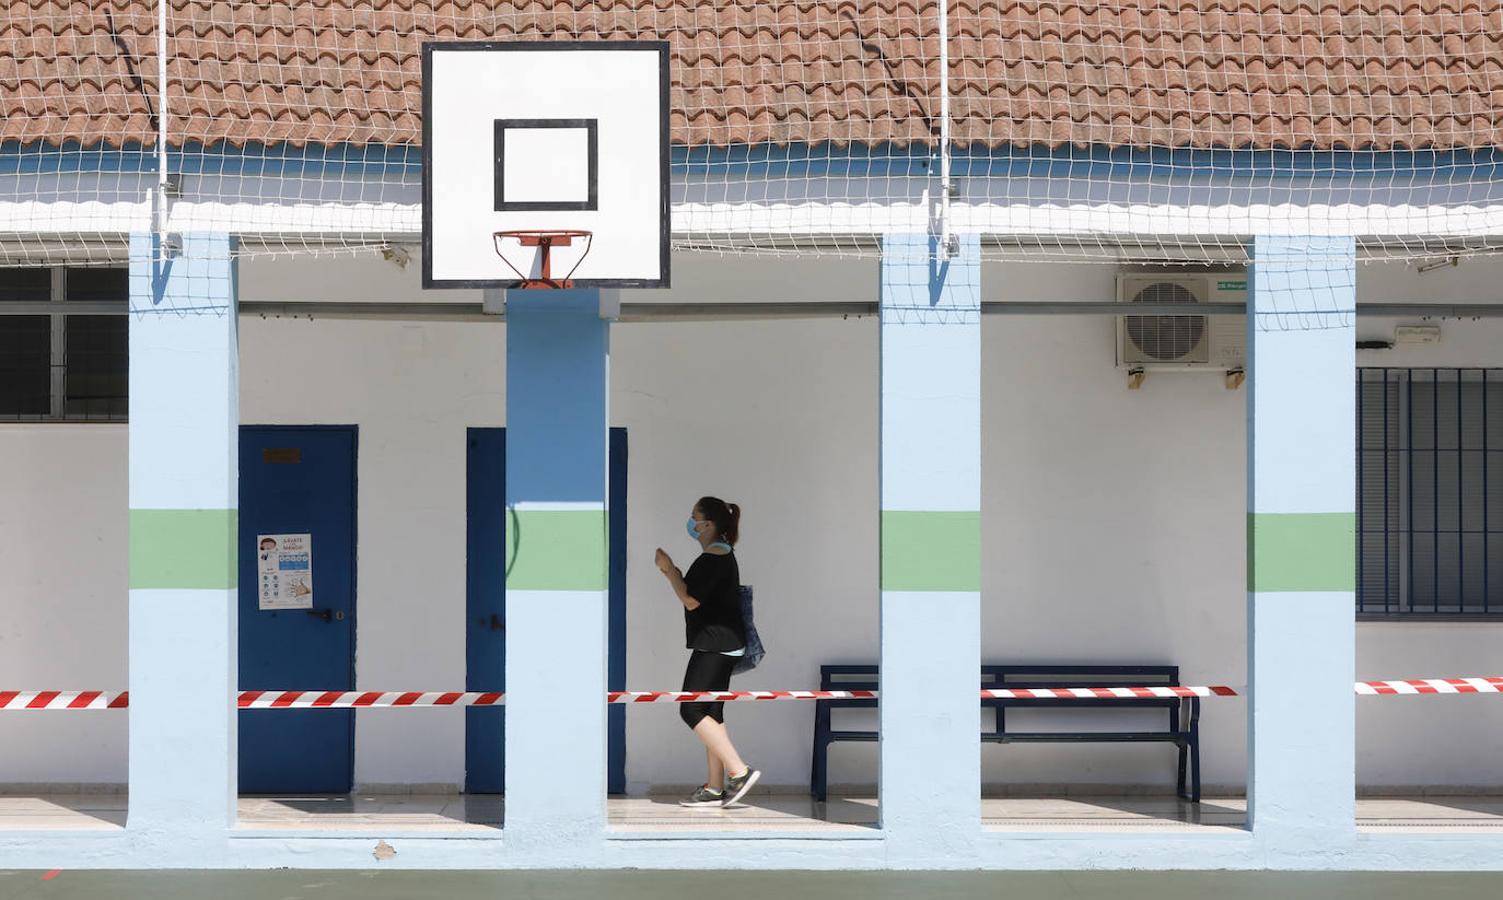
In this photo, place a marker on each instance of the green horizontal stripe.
(183, 548)
(1301, 552)
(556, 550)
(931, 551)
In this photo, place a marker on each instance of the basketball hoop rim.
(546, 239)
(539, 234)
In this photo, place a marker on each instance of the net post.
(947, 243)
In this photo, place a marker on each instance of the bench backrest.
(1029, 676)
(850, 677)
(864, 677)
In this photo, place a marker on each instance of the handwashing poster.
(284, 570)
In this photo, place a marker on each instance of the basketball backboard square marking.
(547, 164)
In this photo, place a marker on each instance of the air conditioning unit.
(1187, 342)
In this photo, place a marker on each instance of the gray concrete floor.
(311, 885)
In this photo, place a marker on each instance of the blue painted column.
(557, 377)
(929, 757)
(184, 502)
(1301, 541)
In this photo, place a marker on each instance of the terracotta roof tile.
(1197, 73)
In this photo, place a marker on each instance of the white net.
(1155, 131)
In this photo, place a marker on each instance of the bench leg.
(1195, 749)
(818, 773)
(819, 762)
(1177, 718)
(1179, 782)
(1195, 767)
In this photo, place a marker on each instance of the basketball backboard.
(545, 136)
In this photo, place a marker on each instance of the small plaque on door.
(282, 456)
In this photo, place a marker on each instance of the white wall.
(783, 420)
(63, 528)
(412, 390)
(1113, 526)
(1405, 741)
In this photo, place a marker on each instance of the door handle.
(495, 622)
(328, 615)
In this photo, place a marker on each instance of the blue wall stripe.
(557, 350)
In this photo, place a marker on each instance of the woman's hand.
(675, 578)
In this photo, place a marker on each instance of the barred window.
(1430, 492)
(64, 344)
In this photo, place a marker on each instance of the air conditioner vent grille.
(1165, 338)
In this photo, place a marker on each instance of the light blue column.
(557, 376)
(1301, 543)
(930, 765)
(184, 426)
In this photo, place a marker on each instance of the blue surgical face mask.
(693, 530)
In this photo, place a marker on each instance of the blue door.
(616, 661)
(298, 480)
(485, 605)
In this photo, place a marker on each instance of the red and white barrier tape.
(364, 699)
(357, 700)
(726, 696)
(62, 700)
(1486, 685)
(388, 699)
(1108, 693)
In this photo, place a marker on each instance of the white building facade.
(897, 346)
(1111, 532)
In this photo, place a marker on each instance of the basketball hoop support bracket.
(544, 241)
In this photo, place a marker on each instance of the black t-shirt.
(716, 624)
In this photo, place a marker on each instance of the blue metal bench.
(1183, 713)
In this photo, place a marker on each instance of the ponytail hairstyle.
(725, 516)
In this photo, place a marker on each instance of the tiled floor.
(85, 812)
(777, 812)
(378, 812)
(450, 813)
(1159, 814)
(1430, 814)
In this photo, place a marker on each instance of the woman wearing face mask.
(716, 636)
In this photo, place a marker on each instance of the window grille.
(1430, 492)
(64, 344)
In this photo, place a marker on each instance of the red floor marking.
(51, 875)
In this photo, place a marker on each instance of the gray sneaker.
(736, 788)
(704, 796)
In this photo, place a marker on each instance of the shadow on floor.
(365, 811)
(1430, 812)
(757, 812)
(86, 812)
(1111, 813)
